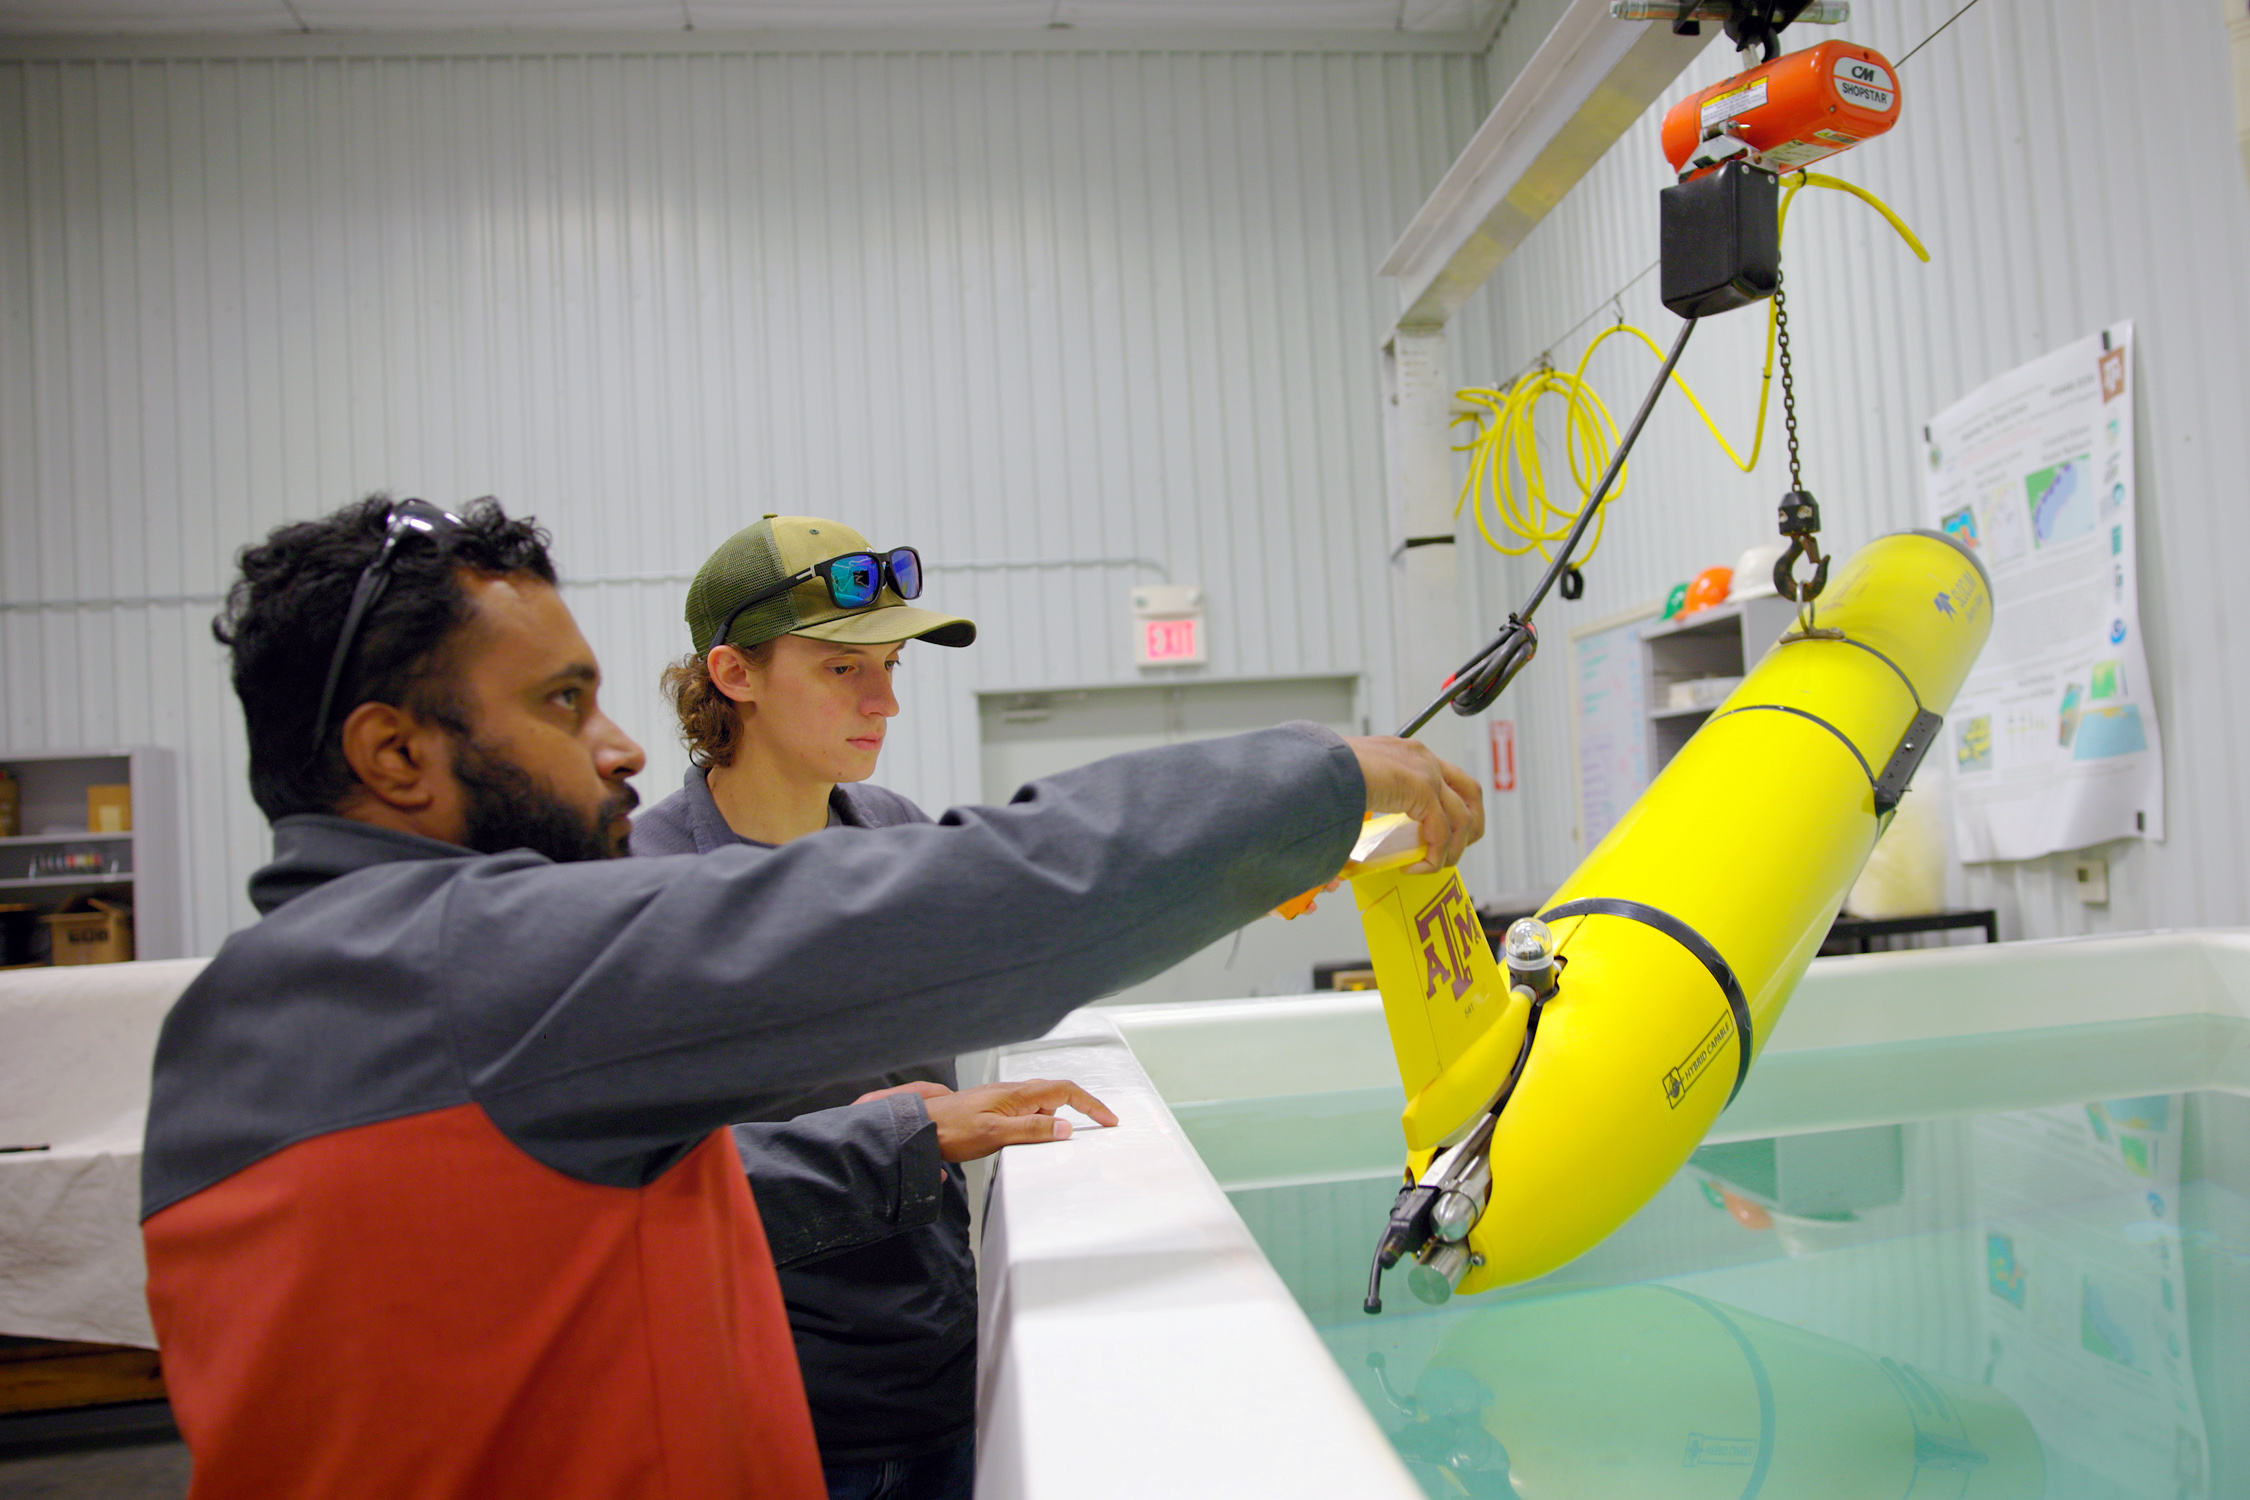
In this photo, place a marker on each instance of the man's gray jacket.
(870, 1231)
(608, 1016)
(461, 1112)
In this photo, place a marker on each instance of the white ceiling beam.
(1588, 82)
(554, 41)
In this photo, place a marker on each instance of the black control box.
(1722, 240)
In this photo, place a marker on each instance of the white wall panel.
(2065, 172)
(1067, 310)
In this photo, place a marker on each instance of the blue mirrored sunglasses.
(854, 580)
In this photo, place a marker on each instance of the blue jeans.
(947, 1474)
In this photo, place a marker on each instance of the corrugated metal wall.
(2066, 170)
(1062, 320)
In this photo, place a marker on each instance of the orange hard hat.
(1710, 587)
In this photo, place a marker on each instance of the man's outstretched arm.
(665, 997)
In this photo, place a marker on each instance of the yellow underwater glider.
(1548, 1101)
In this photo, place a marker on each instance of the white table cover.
(75, 1049)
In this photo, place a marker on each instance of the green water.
(2044, 1302)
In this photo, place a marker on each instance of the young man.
(784, 700)
(438, 1196)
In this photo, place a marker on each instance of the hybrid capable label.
(1692, 1067)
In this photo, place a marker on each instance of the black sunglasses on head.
(407, 518)
(854, 580)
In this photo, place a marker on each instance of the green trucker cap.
(762, 554)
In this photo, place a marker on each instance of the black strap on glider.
(1890, 784)
(1782, 708)
(1905, 760)
(1688, 938)
(1841, 639)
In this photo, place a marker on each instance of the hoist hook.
(1787, 586)
(1800, 523)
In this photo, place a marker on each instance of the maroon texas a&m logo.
(1448, 932)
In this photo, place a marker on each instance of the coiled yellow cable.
(1505, 474)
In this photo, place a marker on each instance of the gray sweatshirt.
(870, 1238)
(607, 1016)
(378, 1109)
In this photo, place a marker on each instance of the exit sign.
(1168, 626)
(1172, 641)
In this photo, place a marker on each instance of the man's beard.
(508, 808)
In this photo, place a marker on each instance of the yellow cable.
(1504, 455)
(1823, 180)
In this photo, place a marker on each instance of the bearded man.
(439, 1198)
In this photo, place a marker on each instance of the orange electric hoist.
(1787, 113)
(1720, 232)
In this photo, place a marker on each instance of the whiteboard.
(1609, 727)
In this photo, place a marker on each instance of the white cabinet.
(47, 862)
(1703, 654)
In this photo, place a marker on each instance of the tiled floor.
(126, 1471)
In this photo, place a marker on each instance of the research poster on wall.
(2054, 734)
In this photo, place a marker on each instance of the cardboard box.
(100, 933)
(109, 809)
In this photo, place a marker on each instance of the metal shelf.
(1722, 642)
(54, 882)
(81, 837)
(53, 783)
(1715, 619)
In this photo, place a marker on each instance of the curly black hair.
(283, 615)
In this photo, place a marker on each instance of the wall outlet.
(2092, 874)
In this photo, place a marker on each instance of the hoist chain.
(1788, 384)
(1800, 513)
